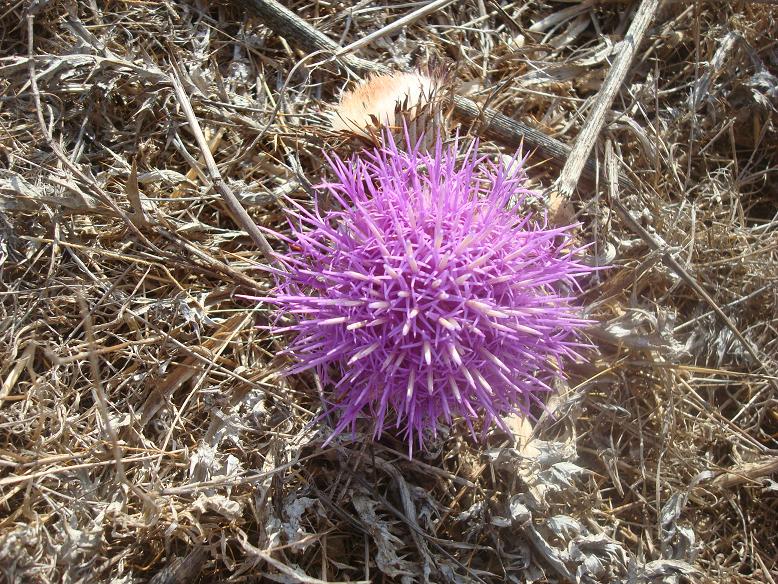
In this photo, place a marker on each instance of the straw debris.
(146, 435)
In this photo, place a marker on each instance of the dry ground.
(144, 434)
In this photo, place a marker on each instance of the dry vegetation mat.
(145, 432)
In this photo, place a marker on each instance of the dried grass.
(145, 434)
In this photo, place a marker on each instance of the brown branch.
(750, 472)
(492, 124)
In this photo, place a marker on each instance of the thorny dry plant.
(146, 435)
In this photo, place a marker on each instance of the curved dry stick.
(493, 124)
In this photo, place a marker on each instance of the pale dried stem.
(246, 222)
(584, 142)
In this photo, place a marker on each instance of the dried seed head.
(395, 100)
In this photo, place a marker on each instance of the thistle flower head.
(425, 295)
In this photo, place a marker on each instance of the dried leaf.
(388, 545)
(229, 508)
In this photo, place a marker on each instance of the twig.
(240, 214)
(14, 479)
(585, 140)
(515, 134)
(740, 300)
(293, 574)
(286, 23)
(396, 25)
(212, 263)
(559, 16)
(743, 474)
(28, 356)
(98, 391)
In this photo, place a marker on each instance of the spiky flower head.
(425, 294)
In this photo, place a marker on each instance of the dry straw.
(145, 432)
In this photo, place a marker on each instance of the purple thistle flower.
(426, 295)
